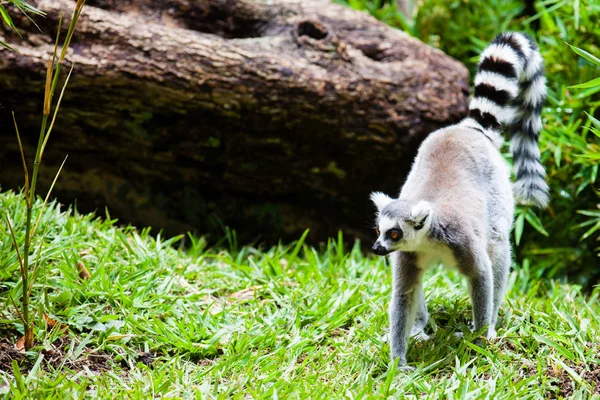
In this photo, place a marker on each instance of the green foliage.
(570, 149)
(385, 11)
(21, 6)
(563, 239)
(462, 28)
(290, 321)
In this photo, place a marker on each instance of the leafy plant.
(31, 224)
(569, 146)
(592, 152)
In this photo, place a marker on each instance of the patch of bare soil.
(55, 356)
(593, 378)
(565, 385)
(565, 382)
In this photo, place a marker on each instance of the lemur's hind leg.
(405, 301)
(500, 255)
(474, 262)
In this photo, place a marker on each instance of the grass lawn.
(292, 321)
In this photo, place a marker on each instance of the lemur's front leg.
(421, 316)
(405, 302)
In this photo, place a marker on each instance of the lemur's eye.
(394, 234)
(377, 231)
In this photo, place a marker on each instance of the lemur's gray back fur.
(457, 204)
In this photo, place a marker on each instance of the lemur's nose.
(379, 249)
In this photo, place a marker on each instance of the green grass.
(285, 322)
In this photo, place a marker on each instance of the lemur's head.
(401, 224)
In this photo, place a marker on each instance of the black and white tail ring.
(510, 89)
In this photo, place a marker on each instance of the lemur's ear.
(419, 214)
(380, 200)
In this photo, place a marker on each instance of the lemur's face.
(401, 225)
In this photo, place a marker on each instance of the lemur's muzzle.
(379, 249)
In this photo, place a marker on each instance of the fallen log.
(270, 117)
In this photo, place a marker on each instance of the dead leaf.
(26, 341)
(84, 253)
(52, 323)
(118, 336)
(248, 293)
(83, 272)
(20, 345)
(245, 294)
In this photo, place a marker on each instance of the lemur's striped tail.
(510, 89)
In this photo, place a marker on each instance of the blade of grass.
(8, 19)
(35, 266)
(16, 308)
(62, 92)
(22, 159)
(60, 18)
(49, 69)
(24, 8)
(589, 84)
(591, 58)
(14, 240)
(48, 195)
(72, 25)
(9, 47)
(297, 247)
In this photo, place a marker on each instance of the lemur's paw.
(420, 336)
(401, 365)
(406, 369)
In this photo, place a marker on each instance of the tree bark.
(270, 117)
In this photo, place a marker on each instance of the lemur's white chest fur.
(434, 254)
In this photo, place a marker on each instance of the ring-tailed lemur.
(457, 204)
